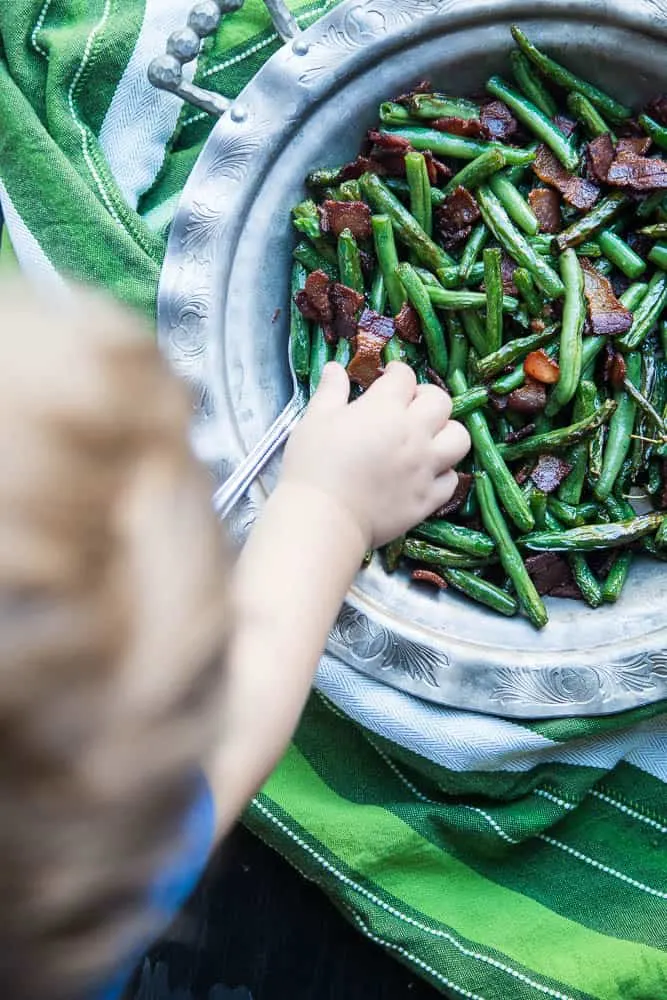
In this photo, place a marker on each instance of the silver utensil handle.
(231, 491)
(166, 72)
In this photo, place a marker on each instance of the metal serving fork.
(166, 73)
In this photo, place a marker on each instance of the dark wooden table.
(256, 929)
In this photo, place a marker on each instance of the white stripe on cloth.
(140, 120)
(32, 259)
(466, 741)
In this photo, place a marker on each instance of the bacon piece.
(497, 121)
(345, 304)
(520, 434)
(408, 325)
(608, 316)
(617, 370)
(438, 172)
(498, 401)
(373, 332)
(335, 216)
(537, 324)
(549, 572)
(599, 157)
(529, 398)
(389, 142)
(567, 126)
(456, 217)
(657, 108)
(436, 379)
(362, 165)
(388, 150)
(429, 576)
(639, 173)
(423, 87)
(458, 498)
(550, 472)
(314, 303)
(541, 368)
(507, 269)
(523, 474)
(576, 191)
(470, 128)
(546, 206)
(639, 145)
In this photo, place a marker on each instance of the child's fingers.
(451, 445)
(431, 406)
(443, 488)
(333, 390)
(399, 382)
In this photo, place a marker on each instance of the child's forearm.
(288, 586)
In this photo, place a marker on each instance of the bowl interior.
(616, 57)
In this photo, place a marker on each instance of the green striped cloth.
(498, 859)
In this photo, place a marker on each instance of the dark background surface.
(256, 929)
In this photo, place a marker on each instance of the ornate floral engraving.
(188, 311)
(234, 151)
(364, 643)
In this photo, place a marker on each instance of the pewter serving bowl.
(223, 322)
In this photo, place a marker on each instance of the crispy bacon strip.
(335, 216)
(657, 108)
(617, 370)
(541, 368)
(551, 575)
(608, 316)
(566, 125)
(639, 145)
(639, 173)
(599, 157)
(429, 576)
(576, 191)
(529, 398)
(458, 498)
(345, 304)
(456, 217)
(408, 325)
(373, 332)
(470, 128)
(314, 303)
(550, 472)
(546, 206)
(497, 121)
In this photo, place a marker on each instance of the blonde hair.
(112, 634)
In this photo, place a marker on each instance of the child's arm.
(354, 477)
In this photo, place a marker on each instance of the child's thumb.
(334, 388)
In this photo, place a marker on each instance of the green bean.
(349, 262)
(312, 260)
(523, 280)
(596, 445)
(458, 344)
(657, 231)
(538, 506)
(477, 171)
(584, 111)
(586, 580)
(534, 119)
(645, 404)
(658, 255)
(658, 133)
(529, 82)
(434, 555)
(445, 298)
(475, 331)
(559, 439)
(661, 535)
(604, 212)
(299, 327)
(469, 400)
(395, 114)
(392, 554)
(324, 177)
(571, 344)
(433, 333)
(547, 247)
(450, 277)
(510, 558)
(515, 243)
(481, 591)
(557, 74)
(458, 148)
(488, 456)
(620, 429)
(431, 106)
(405, 227)
(385, 250)
(510, 352)
(320, 353)
(493, 281)
(573, 516)
(349, 191)
(633, 295)
(306, 218)
(377, 299)
(619, 253)
(473, 543)
(343, 352)
(617, 575)
(584, 406)
(594, 536)
(399, 186)
(473, 248)
(420, 191)
(648, 313)
(514, 204)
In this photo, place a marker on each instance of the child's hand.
(387, 458)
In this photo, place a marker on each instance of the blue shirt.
(177, 882)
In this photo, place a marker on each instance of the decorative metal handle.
(184, 45)
(231, 491)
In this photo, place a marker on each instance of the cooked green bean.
(458, 148)
(399, 186)
(420, 191)
(488, 456)
(538, 505)
(523, 280)
(508, 553)
(594, 536)
(477, 171)
(559, 439)
(432, 329)
(450, 277)
(435, 555)
(493, 281)
(475, 331)
(620, 430)
(405, 227)
(343, 352)
(458, 344)
(473, 248)
(431, 106)
(546, 246)
(530, 83)
(320, 353)
(656, 132)
(603, 213)
(510, 352)
(324, 177)
(514, 203)
(656, 231)
(534, 119)
(586, 580)
(571, 344)
(572, 516)
(473, 543)
(633, 295)
(392, 113)
(658, 255)
(562, 77)
(617, 576)
(392, 554)
(313, 260)
(299, 327)
(481, 591)
(515, 243)
(349, 262)
(385, 250)
(648, 313)
(584, 406)
(445, 298)
(377, 299)
(585, 111)
(619, 253)
(469, 400)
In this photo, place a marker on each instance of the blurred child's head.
(112, 629)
